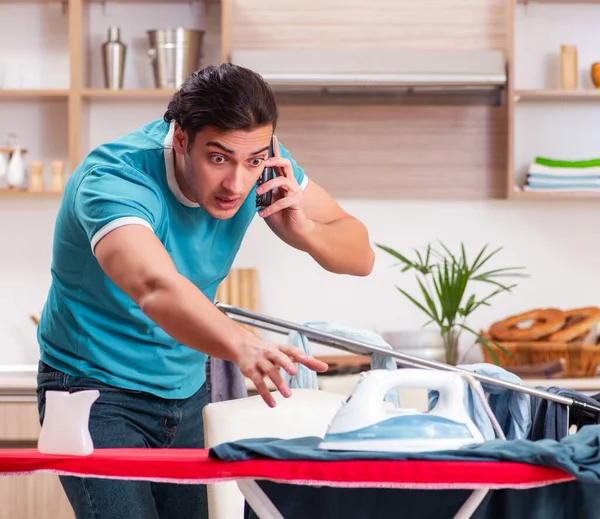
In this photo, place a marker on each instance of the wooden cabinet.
(38, 496)
(18, 420)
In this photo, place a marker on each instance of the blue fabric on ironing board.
(578, 455)
(307, 379)
(511, 408)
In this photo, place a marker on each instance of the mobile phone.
(267, 174)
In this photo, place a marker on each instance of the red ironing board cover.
(194, 466)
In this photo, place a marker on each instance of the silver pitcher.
(114, 52)
(174, 53)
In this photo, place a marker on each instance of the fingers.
(280, 359)
(276, 146)
(262, 389)
(282, 182)
(270, 367)
(277, 378)
(306, 360)
(284, 166)
(282, 203)
(270, 363)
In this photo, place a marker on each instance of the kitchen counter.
(22, 379)
(18, 381)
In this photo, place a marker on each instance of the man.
(149, 225)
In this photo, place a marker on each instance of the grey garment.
(224, 380)
(306, 378)
(552, 420)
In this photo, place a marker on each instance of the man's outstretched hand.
(260, 359)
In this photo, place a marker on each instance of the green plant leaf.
(408, 263)
(492, 353)
(428, 300)
(486, 342)
(416, 303)
(502, 272)
(474, 267)
(482, 261)
(449, 252)
(463, 254)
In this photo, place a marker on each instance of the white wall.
(556, 242)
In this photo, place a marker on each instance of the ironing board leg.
(258, 500)
(471, 504)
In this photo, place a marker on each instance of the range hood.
(309, 70)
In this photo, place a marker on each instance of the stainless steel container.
(175, 53)
(113, 59)
(424, 344)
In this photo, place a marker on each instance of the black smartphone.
(268, 173)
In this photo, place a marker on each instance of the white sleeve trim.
(115, 224)
(304, 183)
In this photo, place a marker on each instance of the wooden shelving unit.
(563, 195)
(541, 99)
(33, 94)
(557, 95)
(129, 95)
(82, 92)
(85, 101)
(18, 193)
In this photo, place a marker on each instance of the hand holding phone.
(268, 173)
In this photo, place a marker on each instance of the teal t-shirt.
(88, 325)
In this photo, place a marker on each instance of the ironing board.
(193, 466)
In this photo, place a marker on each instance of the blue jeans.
(130, 419)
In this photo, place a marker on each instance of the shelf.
(20, 193)
(553, 195)
(130, 95)
(557, 95)
(569, 2)
(33, 94)
(138, 1)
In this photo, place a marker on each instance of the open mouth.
(226, 202)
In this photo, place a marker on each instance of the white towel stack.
(559, 175)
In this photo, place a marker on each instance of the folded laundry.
(591, 171)
(546, 174)
(563, 174)
(547, 180)
(560, 163)
(573, 187)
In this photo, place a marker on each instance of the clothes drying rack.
(254, 494)
(283, 327)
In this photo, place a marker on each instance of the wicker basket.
(579, 359)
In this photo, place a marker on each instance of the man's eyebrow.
(219, 145)
(224, 148)
(260, 151)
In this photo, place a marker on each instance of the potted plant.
(445, 283)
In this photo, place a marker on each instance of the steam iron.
(363, 423)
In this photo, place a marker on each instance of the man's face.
(221, 168)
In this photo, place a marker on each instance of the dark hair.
(228, 97)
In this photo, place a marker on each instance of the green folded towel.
(555, 163)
